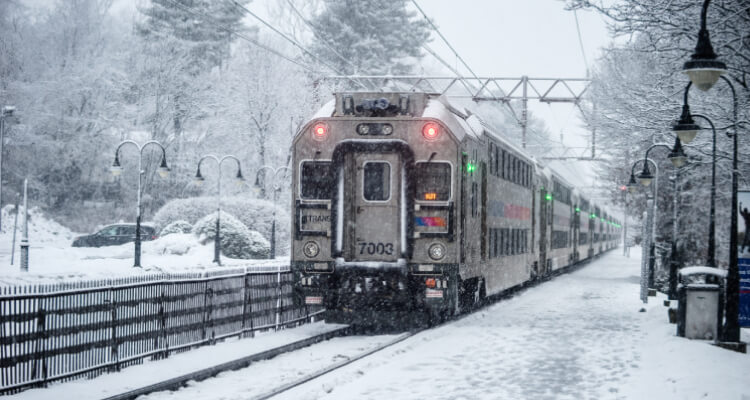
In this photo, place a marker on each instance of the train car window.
(492, 158)
(498, 163)
(377, 181)
(433, 181)
(474, 199)
(316, 180)
(503, 166)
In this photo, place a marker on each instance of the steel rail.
(180, 381)
(334, 367)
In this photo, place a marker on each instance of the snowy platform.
(152, 372)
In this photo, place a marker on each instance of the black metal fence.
(66, 331)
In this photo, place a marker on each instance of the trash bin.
(700, 306)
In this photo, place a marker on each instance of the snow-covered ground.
(53, 260)
(579, 336)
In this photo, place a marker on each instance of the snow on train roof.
(327, 110)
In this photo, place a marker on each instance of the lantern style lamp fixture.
(199, 179)
(632, 185)
(116, 168)
(686, 129)
(677, 156)
(645, 177)
(163, 169)
(703, 68)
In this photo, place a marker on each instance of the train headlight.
(363, 129)
(311, 249)
(387, 129)
(436, 251)
(430, 131)
(320, 131)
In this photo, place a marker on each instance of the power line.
(315, 33)
(241, 36)
(580, 42)
(444, 39)
(290, 40)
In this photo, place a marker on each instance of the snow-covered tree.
(638, 92)
(373, 37)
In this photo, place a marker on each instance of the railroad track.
(307, 378)
(176, 383)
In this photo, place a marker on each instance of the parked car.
(112, 235)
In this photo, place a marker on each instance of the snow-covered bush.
(179, 226)
(256, 214)
(237, 241)
(176, 243)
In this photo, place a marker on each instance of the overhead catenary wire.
(244, 37)
(444, 39)
(290, 40)
(322, 39)
(580, 42)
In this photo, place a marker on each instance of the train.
(407, 207)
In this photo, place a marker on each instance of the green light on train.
(578, 210)
(470, 167)
(548, 197)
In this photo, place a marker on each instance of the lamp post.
(704, 71)
(199, 179)
(116, 170)
(685, 127)
(678, 158)
(7, 113)
(276, 188)
(633, 185)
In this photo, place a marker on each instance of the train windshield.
(316, 181)
(433, 180)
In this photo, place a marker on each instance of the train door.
(464, 200)
(375, 199)
(576, 228)
(543, 227)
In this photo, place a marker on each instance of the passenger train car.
(408, 208)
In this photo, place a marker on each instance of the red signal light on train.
(430, 131)
(320, 131)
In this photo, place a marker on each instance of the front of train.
(373, 205)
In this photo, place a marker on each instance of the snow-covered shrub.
(179, 226)
(177, 243)
(237, 241)
(256, 214)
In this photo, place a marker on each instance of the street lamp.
(199, 180)
(116, 170)
(276, 188)
(703, 68)
(7, 113)
(632, 184)
(704, 71)
(711, 259)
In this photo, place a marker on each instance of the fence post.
(207, 308)
(162, 328)
(244, 305)
(39, 353)
(113, 345)
(278, 298)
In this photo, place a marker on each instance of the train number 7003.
(375, 248)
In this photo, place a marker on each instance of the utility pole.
(25, 237)
(6, 113)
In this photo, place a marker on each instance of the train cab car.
(408, 208)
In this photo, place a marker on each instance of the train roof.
(455, 116)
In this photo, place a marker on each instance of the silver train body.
(408, 208)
